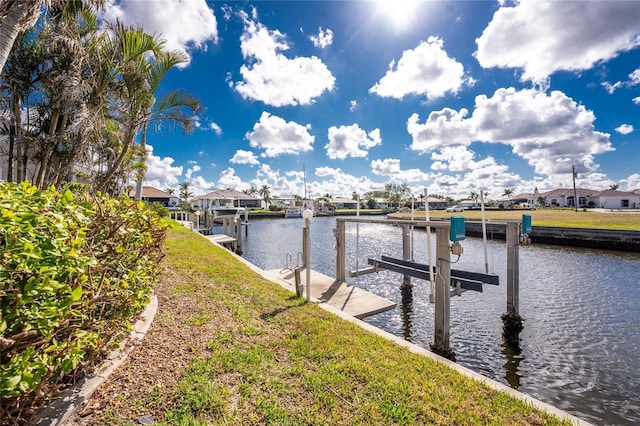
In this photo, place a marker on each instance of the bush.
(159, 209)
(73, 273)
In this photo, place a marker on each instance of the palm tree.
(508, 192)
(185, 194)
(614, 186)
(169, 191)
(265, 192)
(251, 191)
(176, 107)
(136, 96)
(17, 16)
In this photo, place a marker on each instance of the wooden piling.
(440, 344)
(513, 269)
(239, 235)
(406, 254)
(511, 319)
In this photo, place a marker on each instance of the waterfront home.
(614, 199)
(154, 195)
(345, 203)
(565, 197)
(226, 198)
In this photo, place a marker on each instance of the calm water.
(580, 347)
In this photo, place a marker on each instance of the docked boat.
(293, 212)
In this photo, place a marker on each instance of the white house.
(614, 199)
(226, 197)
(153, 195)
(345, 203)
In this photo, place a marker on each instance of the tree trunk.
(20, 16)
(143, 169)
(116, 166)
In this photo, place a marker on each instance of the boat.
(293, 212)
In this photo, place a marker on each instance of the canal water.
(580, 347)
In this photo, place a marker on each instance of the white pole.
(429, 262)
(484, 234)
(358, 234)
(307, 214)
(412, 207)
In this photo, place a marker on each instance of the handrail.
(289, 265)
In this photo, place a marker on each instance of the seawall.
(608, 239)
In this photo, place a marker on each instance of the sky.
(452, 96)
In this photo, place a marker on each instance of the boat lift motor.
(525, 239)
(457, 234)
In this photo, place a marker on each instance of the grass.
(550, 217)
(271, 358)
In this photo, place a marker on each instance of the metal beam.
(397, 265)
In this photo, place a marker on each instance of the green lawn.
(271, 358)
(550, 217)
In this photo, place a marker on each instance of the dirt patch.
(155, 366)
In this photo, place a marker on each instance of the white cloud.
(161, 173)
(551, 131)
(244, 157)
(634, 77)
(277, 136)
(443, 128)
(229, 180)
(216, 128)
(624, 129)
(636, 100)
(339, 183)
(630, 183)
(191, 171)
(323, 39)
(185, 25)
(610, 88)
(282, 186)
(353, 105)
(391, 167)
(453, 158)
(543, 37)
(426, 70)
(273, 78)
(351, 141)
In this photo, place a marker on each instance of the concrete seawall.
(608, 239)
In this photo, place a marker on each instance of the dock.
(351, 300)
(220, 239)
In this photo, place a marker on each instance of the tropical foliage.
(74, 270)
(77, 94)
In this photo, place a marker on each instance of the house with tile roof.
(153, 195)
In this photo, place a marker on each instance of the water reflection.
(513, 356)
(581, 338)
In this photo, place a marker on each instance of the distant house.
(226, 197)
(153, 195)
(614, 199)
(587, 198)
(525, 199)
(469, 204)
(345, 203)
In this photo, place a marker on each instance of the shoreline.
(598, 238)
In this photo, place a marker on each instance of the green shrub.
(160, 210)
(73, 272)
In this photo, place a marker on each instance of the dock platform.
(351, 300)
(220, 238)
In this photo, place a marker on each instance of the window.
(624, 203)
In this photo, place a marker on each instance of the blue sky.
(452, 96)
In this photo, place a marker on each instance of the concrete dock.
(220, 238)
(351, 300)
